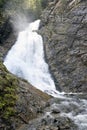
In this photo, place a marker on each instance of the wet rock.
(58, 123)
(55, 111)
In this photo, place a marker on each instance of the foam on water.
(26, 60)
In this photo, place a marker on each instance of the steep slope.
(19, 101)
(64, 30)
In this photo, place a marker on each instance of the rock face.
(64, 30)
(19, 101)
(30, 104)
(7, 37)
(5, 30)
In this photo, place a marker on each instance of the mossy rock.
(8, 92)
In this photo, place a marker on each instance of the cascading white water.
(26, 59)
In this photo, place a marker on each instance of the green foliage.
(33, 7)
(37, 5)
(8, 92)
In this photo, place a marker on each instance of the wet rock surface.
(66, 113)
(64, 30)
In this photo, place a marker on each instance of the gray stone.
(65, 42)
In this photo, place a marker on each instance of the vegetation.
(23, 6)
(8, 93)
(36, 4)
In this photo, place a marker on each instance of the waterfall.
(26, 59)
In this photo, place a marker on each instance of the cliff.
(64, 30)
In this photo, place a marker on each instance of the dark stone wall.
(64, 31)
(5, 30)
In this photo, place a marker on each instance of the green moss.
(9, 111)
(8, 92)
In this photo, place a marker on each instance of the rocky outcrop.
(66, 113)
(64, 30)
(51, 123)
(19, 101)
(30, 104)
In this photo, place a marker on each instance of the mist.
(20, 15)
